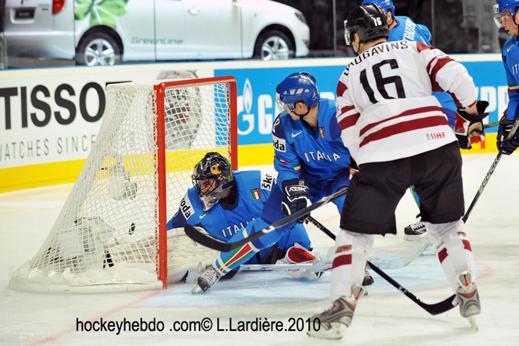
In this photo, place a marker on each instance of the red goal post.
(161, 144)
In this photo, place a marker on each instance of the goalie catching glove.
(469, 128)
(295, 197)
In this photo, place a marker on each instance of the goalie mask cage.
(111, 233)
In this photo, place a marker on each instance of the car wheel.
(98, 49)
(274, 45)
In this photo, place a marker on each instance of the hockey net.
(111, 233)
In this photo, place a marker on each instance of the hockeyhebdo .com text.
(205, 324)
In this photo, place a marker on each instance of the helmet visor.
(500, 17)
(291, 106)
(347, 33)
(209, 191)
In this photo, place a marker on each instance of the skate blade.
(197, 290)
(473, 323)
(334, 333)
(414, 237)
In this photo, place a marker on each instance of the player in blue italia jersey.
(229, 205)
(310, 157)
(507, 16)
(402, 27)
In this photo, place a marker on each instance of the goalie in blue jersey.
(229, 205)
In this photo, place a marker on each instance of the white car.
(106, 32)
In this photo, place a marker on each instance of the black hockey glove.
(469, 128)
(295, 197)
(504, 144)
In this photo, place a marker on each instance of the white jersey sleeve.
(384, 105)
(448, 75)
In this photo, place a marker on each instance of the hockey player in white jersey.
(403, 28)
(399, 136)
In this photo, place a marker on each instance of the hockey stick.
(216, 244)
(492, 124)
(392, 259)
(489, 173)
(433, 309)
(316, 267)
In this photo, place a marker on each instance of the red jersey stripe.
(341, 88)
(404, 126)
(346, 109)
(437, 67)
(403, 114)
(349, 121)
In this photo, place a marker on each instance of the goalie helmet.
(212, 176)
(504, 6)
(386, 5)
(368, 21)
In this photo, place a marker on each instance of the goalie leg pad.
(348, 268)
(299, 254)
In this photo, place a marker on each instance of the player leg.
(336, 185)
(369, 209)
(417, 230)
(442, 207)
(231, 260)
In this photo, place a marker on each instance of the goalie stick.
(489, 174)
(206, 240)
(316, 267)
(433, 309)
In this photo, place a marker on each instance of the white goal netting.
(106, 236)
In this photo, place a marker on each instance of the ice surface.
(384, 317)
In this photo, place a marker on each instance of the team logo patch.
(321, 131)
(279, 144)
(186, 208)
(266, 181)
(256, 194)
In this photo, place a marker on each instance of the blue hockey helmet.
(298, 87)
(383, 4)
(504, 6)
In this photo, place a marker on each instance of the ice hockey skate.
(338, 317)
(414, 231)
(468, 298)
(368, 279)
(208, 277)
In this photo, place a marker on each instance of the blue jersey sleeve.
(423, 34)
(286, 161)
(407, 30)
(511, 59)
(184, 214)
